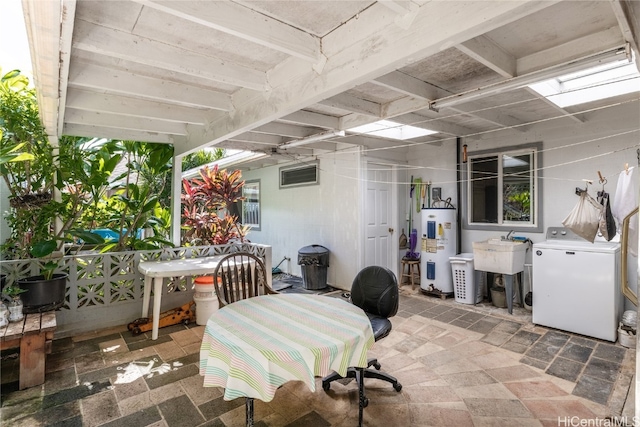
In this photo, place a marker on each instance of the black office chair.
(374, 290)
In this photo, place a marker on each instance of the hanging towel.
(625, 201)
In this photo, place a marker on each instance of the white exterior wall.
(326, 214)
(329, 213)
(571, 152)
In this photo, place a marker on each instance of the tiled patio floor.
(459, 366)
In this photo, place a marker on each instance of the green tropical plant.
(138, 200)
(13, 290)
(201, 158)
(27, 166)
(74, 185)
(207, 204)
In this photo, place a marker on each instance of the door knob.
(390, 230)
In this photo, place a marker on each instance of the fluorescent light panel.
(393, 130)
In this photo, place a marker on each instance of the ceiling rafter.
(118, 104)
(95, 78)
(354, 62)
(410, 86)
(285, 129)
(628, 25)
(116, 133)
(396, 81)
(118, 44)
(483, 50)
(242, 22)
(310, 118)
(93, 118)
(351, 103)
(400, 7)
(259, 138)
(572, 50)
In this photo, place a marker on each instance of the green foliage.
(138, 196)
(22, 138)
(13, 290)
(207, 203)
(201, 158)
(75, 184)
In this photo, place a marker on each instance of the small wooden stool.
(412, 271)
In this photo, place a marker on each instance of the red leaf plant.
(207, 204)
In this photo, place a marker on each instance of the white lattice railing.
(105, 290)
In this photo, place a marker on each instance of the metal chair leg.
(249, 411)
(363, 402)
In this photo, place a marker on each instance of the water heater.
(439, 241)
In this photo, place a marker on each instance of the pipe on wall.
(459, 192)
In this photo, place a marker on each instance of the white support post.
(176, 191)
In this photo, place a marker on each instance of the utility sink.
(499, 256)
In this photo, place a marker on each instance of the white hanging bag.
(584, 218)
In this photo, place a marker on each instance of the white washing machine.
(576, 284)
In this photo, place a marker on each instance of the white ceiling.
(253, 75)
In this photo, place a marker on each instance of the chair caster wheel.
(365, 402)
(326, 386)
(397, 387)
(377, 366)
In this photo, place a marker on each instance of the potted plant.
(33, 173)
(12, 292)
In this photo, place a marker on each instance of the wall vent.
(299, 175)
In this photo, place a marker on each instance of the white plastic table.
(155, 272)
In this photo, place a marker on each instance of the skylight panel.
(393, 130)
(592, 84)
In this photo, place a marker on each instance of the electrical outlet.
(436, 193)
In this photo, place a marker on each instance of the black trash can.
(314, 260)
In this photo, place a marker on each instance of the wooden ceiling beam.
(242, 22)
(118, 44)
(115, 133)
(309, 118)
(351, 103)
(573, 50)
(98, 79)
(92, 118)
(354, 57)
(118, 104)
(489, 54)
(285, 129)
(628, 24)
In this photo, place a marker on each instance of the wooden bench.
(33, 335)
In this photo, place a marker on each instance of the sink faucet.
(508, 236)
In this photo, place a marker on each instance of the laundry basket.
(462, 273)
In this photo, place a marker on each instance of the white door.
(378, 215)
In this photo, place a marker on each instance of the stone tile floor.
(459, 366)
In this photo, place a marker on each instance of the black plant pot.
(41, 294)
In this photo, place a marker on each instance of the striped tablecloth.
(253, 346)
